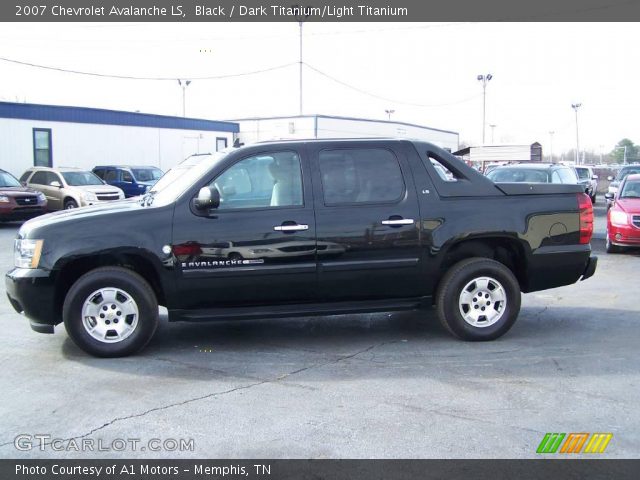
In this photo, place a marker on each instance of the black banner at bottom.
(565, 468)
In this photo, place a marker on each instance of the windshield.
(626, 171)
(518, 175)
(146, 174)
(631, 190)
(78, 179)
(184, 175)
(8, 180)
(583, 173)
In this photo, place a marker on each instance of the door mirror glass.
(56, 183)
(208, 197)
(608, 196)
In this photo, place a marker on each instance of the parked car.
(534, 173)
(623, 218)
(18, 202)
(615, 182)
(133, 181)
(589, 179)
(403, 236)
(67, 188)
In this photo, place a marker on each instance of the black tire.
(235, 256)
(452, 286)
(593, 199)
(111, 277)
(70, 203)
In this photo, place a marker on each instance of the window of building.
(355, 176)
(267, 180)
(221, 143)
(42, 147)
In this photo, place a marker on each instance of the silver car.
(67, 188)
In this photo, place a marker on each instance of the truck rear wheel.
(478, 299)
(110, 312)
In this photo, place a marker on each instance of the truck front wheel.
(110, 312)
(478, 299)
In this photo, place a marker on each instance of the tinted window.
(147, 174)
(25, 175)
(626, 171)
(126, 176)
(52, 177)
(111, 176)
(268, 180)
(518, 175)
(39, 178)
(99, 172)
(631, 190)
(583, 173)
(360, 176)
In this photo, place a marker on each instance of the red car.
(623, 218)
(18, 202)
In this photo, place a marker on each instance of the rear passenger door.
(367, 217)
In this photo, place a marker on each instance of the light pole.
(389, 112)
(184, 84)
(551, 132)
(300, 16)
(492, 128)
(484, 79)
(624, 160)
(575, 107)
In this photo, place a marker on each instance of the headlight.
(89, 197)
(26, 252)
(41, 197)
(4, 199)
(618, 218)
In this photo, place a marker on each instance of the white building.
(323, 126)
(47, 135)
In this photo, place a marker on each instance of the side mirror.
(208, 197)
(594, 177)
(608, 196)
(610, 178)
(55, 183)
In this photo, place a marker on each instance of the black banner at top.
(317, 10)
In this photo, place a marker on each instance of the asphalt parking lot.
(366, 386)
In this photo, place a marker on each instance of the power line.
(130, 77)
(379, 97)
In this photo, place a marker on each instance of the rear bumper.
(32, 292)
(556, 266)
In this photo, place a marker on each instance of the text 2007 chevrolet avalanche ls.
(301, 228)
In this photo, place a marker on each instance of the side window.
(126, 176)
(555, 177)
(39, 178)
(567, 175)
(355, 176)
(99, 172)
(25, 175)
(441, 170)
(111, 175)
(53, 177)
(267, 180)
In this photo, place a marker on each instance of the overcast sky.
(539, 70)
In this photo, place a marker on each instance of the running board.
(298, 310)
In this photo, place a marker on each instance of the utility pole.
(300, 16)
(575, 107)
(184, 84)
(484, 79)
(389, 113)
(492, 128)
(551, 132)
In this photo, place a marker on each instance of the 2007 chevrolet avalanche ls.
(301, 228)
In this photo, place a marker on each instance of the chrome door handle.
(400, 221)
(291, 228)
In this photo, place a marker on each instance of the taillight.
(585, 207)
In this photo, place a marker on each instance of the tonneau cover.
(538, 188)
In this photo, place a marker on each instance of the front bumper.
(624, 236)
(22, 213)
(32, 292)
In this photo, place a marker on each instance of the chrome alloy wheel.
(110, 315)
(482, 302)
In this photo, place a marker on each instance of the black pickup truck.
(302, 228)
